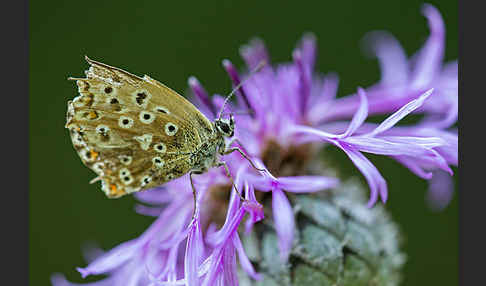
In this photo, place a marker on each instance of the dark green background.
(171, 41)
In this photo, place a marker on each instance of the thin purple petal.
(254, 53)
(401, 113)
(253, 208)
(304, 81)
(233, 74)
(414, 167)
(373, 177)
(382, 146)
(308, 48)
(111, 260)
(360, 115)
(429, 58)
(148, 211)
(193, 253)
(440, 191)
(306, 184)
(243, 258)
(283, 217)
(229, 270)
(154, 196)
(201, 95)
(391, 56)
(60, 280)
(328, 93)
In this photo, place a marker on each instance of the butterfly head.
(225, 127)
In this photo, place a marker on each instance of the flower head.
(285, 113)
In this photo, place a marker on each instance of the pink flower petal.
(388, 147)
(401, 113)
(321, 102)
(243, 258)
(414, 167)
(283, 217)
(229, 270)
(254, 53)
(441, 190)
(360, 115)
(428, 59)
(306, 184)
(373, 177)
(111, 260)
(194, 251)
(391, 56)
(148, 211)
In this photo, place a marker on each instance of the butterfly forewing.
(135, 133)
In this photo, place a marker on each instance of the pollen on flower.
(286, 160)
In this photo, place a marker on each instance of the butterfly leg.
(222, 163)
(233, 149)
(194, 193)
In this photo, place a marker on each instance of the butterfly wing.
(135, 133)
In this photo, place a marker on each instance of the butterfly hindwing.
(134, 132)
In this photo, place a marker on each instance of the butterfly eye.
(108, 89)
(225, 128)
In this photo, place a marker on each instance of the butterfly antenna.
(260, 65)
(242, 112)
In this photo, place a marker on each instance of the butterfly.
(136, 133)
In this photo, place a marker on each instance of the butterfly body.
(136, 133)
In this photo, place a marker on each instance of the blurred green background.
(171, 40)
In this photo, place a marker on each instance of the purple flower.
(403, 80)
(284, 114)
